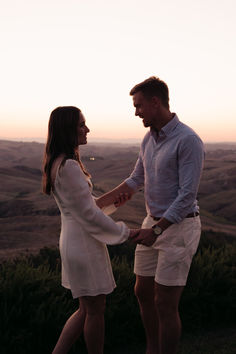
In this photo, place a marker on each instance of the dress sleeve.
(107, 210)
(77, 198)
(110, 209)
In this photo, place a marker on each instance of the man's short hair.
(151, 87)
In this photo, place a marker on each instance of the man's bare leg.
(167, 302)
(145, 292)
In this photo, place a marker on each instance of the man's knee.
(167, 300)
(138, 291)
(164, 307)
(144, 289)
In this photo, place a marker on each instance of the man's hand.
(144, 237)
(133, 234)
(121, 199)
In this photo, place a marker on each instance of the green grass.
(221, 341)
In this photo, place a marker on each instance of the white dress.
(85, 231)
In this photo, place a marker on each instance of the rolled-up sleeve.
(136, 179)
(190, 165)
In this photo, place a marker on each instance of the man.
(169, 167)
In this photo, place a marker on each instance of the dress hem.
(79, 293)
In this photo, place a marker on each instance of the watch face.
(157, 229)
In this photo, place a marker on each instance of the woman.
(85, 230)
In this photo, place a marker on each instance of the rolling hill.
(30, 220)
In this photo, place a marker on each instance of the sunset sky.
(90, 53)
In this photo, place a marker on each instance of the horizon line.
(105, 140)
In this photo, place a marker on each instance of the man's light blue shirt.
(169, 167)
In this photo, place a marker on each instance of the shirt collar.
(168, 128)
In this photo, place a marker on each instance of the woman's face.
(83, 130)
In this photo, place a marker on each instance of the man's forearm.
(164, 223)
(111, 196)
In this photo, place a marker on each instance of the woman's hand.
(145, 237)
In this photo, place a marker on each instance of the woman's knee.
(94, 305)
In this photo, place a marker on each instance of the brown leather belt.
(191, 215)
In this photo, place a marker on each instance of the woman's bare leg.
(94, 323)
(72, 330)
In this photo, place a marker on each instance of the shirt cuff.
(130, 182)
(175, 219)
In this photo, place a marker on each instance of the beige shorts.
(169, 258)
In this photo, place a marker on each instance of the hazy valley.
(30, 220)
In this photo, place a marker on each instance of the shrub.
(210, 295)
(34, 306)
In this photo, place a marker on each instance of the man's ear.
(156, 101)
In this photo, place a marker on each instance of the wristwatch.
(157, 230)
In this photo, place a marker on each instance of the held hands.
(117, 199)
(142, 236)
(121, 199)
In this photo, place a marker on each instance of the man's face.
(144, 108)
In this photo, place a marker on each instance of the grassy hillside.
(34, 306)
(217, 191)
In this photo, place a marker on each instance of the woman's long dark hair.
(62, 139)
